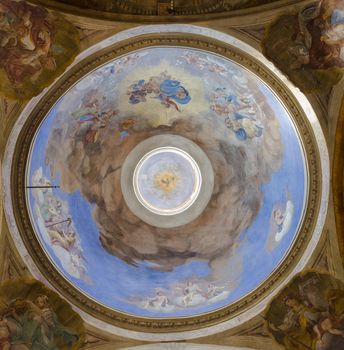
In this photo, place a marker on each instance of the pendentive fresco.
(309, 46)
(309, 313)
(32, 317)
(35, 47)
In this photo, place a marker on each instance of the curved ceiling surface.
(116, 257)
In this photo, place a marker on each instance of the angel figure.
(214, 290)
(159, 300)
(192, 294)
(280, 222)
(283, 219)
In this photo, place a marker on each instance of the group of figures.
(309, 46)
(32, 45)
(92, 118)
(28, 320)
(25, 41)
(309, 314)
(319, 41)
(184, 295)
(96, 119)
(58, 227)
(169, 92)
(119, 65)
(202, 63)
(239, 113)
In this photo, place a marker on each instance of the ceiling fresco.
(76, 191)
(309, 46)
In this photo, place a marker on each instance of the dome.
(167, 183)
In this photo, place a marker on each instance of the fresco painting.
(188, 294)
(309, 46)
(35, 47)
(168, 91)
(280, 221)
(32, 317)
(126, 264)
(53, 216)
(240, 116)
(309, 313)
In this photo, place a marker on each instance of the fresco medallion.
(168, 182)
(167, 175)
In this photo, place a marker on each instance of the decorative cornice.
(122, 11)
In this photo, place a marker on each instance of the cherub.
(64, 241)
(160, 299)
(190, 291)
(281, 220)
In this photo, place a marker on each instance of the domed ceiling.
(166, 186)
(251, 216)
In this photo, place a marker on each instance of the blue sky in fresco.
(114, 281)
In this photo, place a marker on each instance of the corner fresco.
(35, 47)
(309, 313)
(32, 317)
(309, 46)
(84, 225)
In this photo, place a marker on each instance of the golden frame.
(162, 325)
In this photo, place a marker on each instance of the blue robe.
(171, 88)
